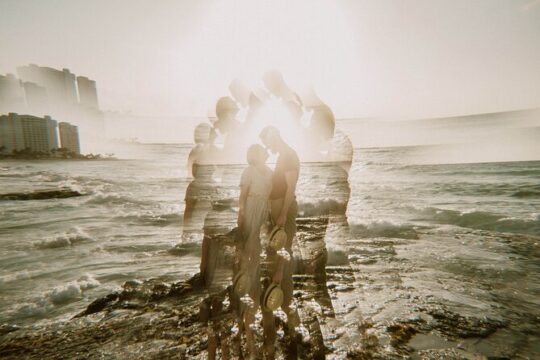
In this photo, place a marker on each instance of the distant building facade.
(60, 84)
(69, 137)
(11, 133)
(12, 97)
(44, 90)
(87, 92)
(18, 132)
(36, 98)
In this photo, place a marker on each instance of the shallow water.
(466, 234)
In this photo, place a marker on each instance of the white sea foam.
(72, 290)
(43, 304)
(384, 229)
(111, 198)
(39, 308)
(70, 238)
(19, 275)
(64, 293)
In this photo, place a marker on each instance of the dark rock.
(454, 325)
(7, 328)
(99, 304)
(42, 195)
(401, 333)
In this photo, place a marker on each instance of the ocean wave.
(19, 275)
(36, 309)
(67, 239)
(384, 229)
(186, 248)
(322, 207)
(509, 172)
(461, 170)
(46, 176)
(42, 305)
(151, 219)
(72, 290)
(489, 189)
(100, 198)
(481, 220)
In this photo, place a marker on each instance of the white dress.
(259, 181)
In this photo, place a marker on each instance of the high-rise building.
(87, 92)
(69, 137)
(62, 95)
(60, 85)
(18, 132)
(36, 98)
(70, 87)
(11, 133)
(39, 133)
(11, 94)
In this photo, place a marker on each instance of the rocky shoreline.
(360, 306)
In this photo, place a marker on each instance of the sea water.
(58, 255)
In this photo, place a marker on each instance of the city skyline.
(42, 90)
(46, 91)
(20, 132)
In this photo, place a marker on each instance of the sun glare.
(274, 113)
(308, 41)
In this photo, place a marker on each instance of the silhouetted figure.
(324, 232)
(340, 155)
(240, 92)
(314, 247)
(228, 125)
(198, 200)
(204, 150)
(256, 103)
(283, 213)
(274, 82)
(255, 187)
(201, 191)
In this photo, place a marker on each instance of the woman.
(255, 188)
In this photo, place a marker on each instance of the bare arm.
(244, 190)
(190, 201)
(188, 211)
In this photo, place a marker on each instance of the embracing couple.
(263, 193)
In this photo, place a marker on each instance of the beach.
(428, 260)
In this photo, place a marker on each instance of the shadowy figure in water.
(314, 247)
(204, 151)
(201, 190)
(337, 233)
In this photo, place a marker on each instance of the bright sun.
(308, 41)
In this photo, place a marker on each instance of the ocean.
(467, 234)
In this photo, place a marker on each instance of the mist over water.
(493, 137)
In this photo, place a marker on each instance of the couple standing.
(262, 192)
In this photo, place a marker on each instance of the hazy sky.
(416, 58)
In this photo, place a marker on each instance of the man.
(284, 209)
(228, 126)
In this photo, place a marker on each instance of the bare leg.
(212, 344)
